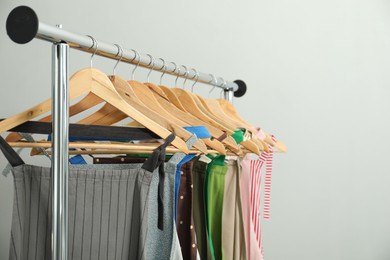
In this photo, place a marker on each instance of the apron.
(108, 208)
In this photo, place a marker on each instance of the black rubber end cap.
(241, 88)
(22, 24)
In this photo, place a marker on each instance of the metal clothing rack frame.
(23, 26)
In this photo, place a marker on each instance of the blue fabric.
(78, 159)
(200, 131)
(186, 159)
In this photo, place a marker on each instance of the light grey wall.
(318, 78)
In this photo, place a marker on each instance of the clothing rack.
(22, 26)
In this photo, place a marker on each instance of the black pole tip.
(22, 24)
(241, 88)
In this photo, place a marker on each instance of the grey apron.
(162, 241)
(108, 208)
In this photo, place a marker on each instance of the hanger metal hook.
(224, 83)
(178, 74)
(186, 73)
(171, 71)
(214, 84)
(136, 66)
(135, 55)
(120, 51)
(197, 78)
(94, 43)
(151, 68)
(162, 68)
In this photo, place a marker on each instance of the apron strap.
(156, 160)
(158, 155)
(12, 157)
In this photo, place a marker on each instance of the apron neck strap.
(12, 157)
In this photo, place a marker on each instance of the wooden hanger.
(190, 106)
(214, 107)
(193, 103)
(125, 90)
(230, 122)
(199, 107)
(129, 87)
(148, 99)
(103, 148)
(249, 144)
(254, 144)
(159, 90)
(79, 148)
(93, 81)
(109, 115)
(88, 101)
(131, 149)
(192, 120)
(218, 119)
(91, 145)
(230, 110)
(172, 97)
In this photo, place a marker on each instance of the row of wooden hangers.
(160, 109)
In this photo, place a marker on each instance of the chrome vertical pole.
(60, 157)
(228, 94)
